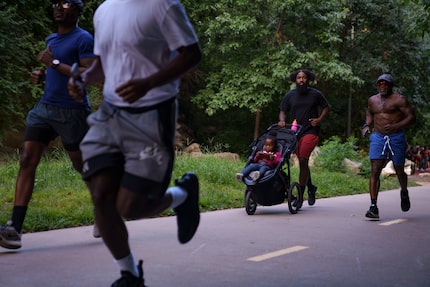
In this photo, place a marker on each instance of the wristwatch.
(55, 63)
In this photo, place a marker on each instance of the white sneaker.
(239, 177)
(254, 175)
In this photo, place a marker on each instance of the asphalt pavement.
(328, 244)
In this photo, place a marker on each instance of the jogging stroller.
(275, 185)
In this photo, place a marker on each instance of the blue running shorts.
(389, 147)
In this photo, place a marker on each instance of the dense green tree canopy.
(250, 47)
(24, 25)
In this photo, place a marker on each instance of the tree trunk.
(257, 124)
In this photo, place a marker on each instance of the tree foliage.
(24, 25)
(419, 17)
(250, 47)
(382, 43)
(16, 46)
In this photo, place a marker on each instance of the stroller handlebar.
(286, 128)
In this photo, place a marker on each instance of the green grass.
(61, 199)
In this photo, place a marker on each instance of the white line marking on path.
(277, 253)
(391, 222)
(198, 248)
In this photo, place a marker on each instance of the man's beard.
(384, 91)
(302, 89)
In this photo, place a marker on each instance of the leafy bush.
(365, 167)
(333, 151)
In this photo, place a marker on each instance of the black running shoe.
(311, 195)
(297, 203)
(9, 237)
(129, 280)
(373, 212)
(188, 213)
(404, 203)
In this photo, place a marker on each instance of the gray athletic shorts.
(46, 122)
(136, 141)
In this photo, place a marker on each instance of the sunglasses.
(382, 83)
(64, 5)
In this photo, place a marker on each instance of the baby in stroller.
(264, 160)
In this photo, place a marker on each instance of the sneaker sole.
(184, 237)
(9, 245)
(405, 208)
(372, 216)
(405, 203)
(311, 196)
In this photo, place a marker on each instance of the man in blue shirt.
(56, 114)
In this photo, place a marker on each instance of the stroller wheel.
(295, 198)
(250, 203)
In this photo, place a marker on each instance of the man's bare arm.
(409, 113)
(368, 122)
(188, 58)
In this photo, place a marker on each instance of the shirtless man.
(388, 112)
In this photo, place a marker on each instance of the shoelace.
(5, 226)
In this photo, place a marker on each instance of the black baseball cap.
(386, 77)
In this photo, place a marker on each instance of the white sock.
(128, 264)
(178, 195)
